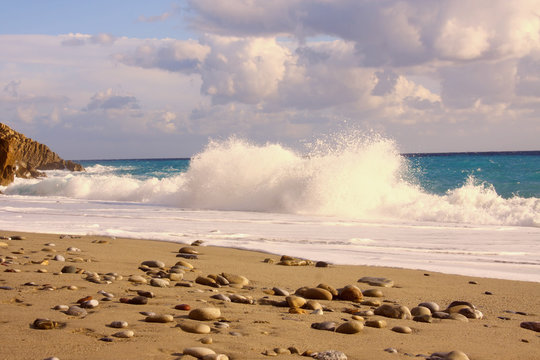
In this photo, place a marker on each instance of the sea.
(353, 200)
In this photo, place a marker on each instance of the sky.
(144, 79)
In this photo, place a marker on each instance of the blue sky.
(132, 79)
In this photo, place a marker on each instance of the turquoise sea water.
(510, 173)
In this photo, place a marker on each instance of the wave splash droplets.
(352, 176)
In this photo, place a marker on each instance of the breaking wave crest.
(349, 176)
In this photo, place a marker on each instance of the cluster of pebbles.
(363, 308)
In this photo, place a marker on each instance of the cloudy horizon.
(158, 79)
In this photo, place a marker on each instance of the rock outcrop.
(23, 157)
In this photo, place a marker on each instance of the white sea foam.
(352, 177)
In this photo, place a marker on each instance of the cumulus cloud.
(108, 100)
(83, 39)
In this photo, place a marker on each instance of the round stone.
(452, 355)
(295, 301)
(153, 263)
(69, 269)
(236, 279)
(402, 329)
(137, 279)
(221, 297)
(206, 340)
(376, 323)
(420, 310)
(119, 324)
(325, 325)
(433, 306)
(159, 318)
(157, 282)
(188, 250)
(205, 314)
(314, 293)
(328, 288)
(350, 327)
(184, 307)
(90, 304)
(207, 281)
(138, 300)
(394, 311)
(59, 258)
(350, 293)
(124, 334)
(373, 293)
(76, 311)
(215, 357)
(184, 264)
(198, 351)
(195, 327)
(313, 305)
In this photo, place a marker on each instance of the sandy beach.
(257, 323)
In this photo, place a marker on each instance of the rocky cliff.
(23, 157)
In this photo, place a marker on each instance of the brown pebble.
(183, 307)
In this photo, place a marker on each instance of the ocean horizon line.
(408, 154)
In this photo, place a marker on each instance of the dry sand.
(253, 328)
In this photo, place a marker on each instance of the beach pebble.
(452, 355)
(159, 318)
(402, 329)
(295, 301)
(153, 263)
(138, 279)
(59, 258)
(373, 293)
(61, 307)
(313, 305)
(377, 281)
(69, 269)
(221, 325)
(531, 325)
(241, 299)
(119, 324)
(157, 282)
(207, 281)
(432, 306)
(391, 350)
(185, 307)
(206, 340)
(314, 293)
(280, 292)
(184, 264)
(146, 294)
(221, 297)
(425, 318)
(236, 279)
(205, 314)
(75, 310)
(195, 327)
(215, 357)
(105, 294)
(188, 250)
(17, 237)
(73, 249)
(458, 317)
(321, 264)
(441, 315)
(52, 358)
(175, 276)
(394, 311)
(371, 302)
(420, 310)
(137, 300)
(325, 325)
(198, 351)
(124, 334)
(330, 355)
(376, 323)
(350, 293)
(90, 304)
(350, 327)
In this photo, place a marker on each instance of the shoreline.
(252, 329)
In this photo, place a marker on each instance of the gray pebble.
(330, 355)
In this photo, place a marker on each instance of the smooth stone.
(6, 288)
(371, 302)
(365, 313)
(105, 294)
(204, 280)
(432, 306)
(17, 237)
(198, 351)
(119, 324)
(458, 317)
(188, 250)
(221, 297)
(195, 327)
(177, 270)
(52, 358)
(61, 307)
(205, 314)
(531, 325)
(459, 303)
(153, 263)
(236, 279)
(373, 293)
(76, 311)
(391, 350)
(90, 304)
(325, 325)
(332, 290)
(441, 315)
(377, 281)
(321, 264)
(295, 301)
(188, 256)
(425, 318)
(330, 355)
(379, 324)
(314, 293)
(73, 249)
(146, 294)
(157, 282)
(222, 280)
(313, 305)
(350, 327)
(138, 300)
(280, 291)
(69, 269)
(241, 299)
(138, 279)
(402, 329)
(420, 310)
(350, 293)
(184, 307)
(394, 311)
(215, 357)
(59, 258)
(159, 318)
(206, 340)
(452, 355)
(356, 317)
(471, 313)
(317, 312)
(124, 334)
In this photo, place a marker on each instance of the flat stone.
(153, 263)
(90, 304)
(425, 318)
(188, 250)
(314, 293)
(205, 314)
(207, 281)
(215, 357)
(280, 292)
(198, 351)
(137, 300)
(137, 279)
(373, 293)
(377, 281)
(119, 324)
(325, 325)
(376, 324)
(221, 297)
(76, 311)
(402, 329)
(159, 318)
(59, 258)
(458, 317)
(350, 327)
(157, 282)
(394, 311)
(124, 334)
(313, 305)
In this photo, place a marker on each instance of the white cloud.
(461, 42)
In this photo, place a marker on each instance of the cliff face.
(24, 157)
